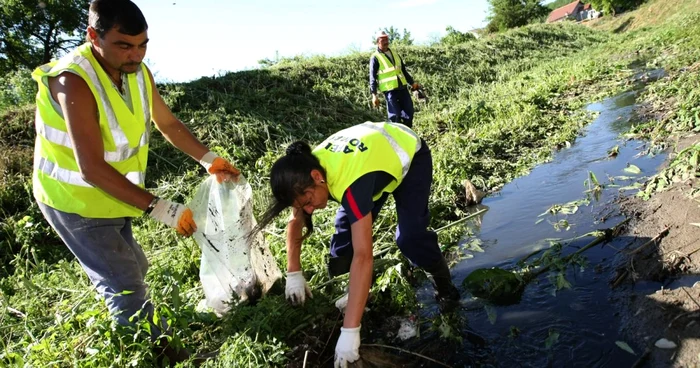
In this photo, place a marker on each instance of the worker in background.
(93, 121)
(388, 74)
(358, 167)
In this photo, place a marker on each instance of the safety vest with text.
(125, 134)
(389, 74)
(353, 152)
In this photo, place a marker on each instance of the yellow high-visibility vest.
(125, 134)
(389, 75)
(361, 149)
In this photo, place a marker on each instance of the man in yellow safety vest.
(388, 74)
(93, 120)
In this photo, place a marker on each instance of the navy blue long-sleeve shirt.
(357, 200)
(374, 70)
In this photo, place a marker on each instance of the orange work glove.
(175, 215)
(375, 101)
(415, 86)
(218, 166)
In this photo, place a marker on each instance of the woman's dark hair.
(123, 14)
(289, 177)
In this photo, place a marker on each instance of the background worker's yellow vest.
(353, 152)
(389, 75)
(56, 179)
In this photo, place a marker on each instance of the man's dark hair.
(123, 14)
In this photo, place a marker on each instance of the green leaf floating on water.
(631, 187)
(491, 313)
(475, 246)
(496, 285)
(551, 339)
(623, 345)
(632, 169)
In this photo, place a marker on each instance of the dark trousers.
(414, 239)
(399, 106)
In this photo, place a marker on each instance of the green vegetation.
(606, 6)
(507, 14)
(17, 89)
(505, 287)
(34, 31)
(396, 37)
(455, 37)
(611, 7)
(650, 13)
(498, 106)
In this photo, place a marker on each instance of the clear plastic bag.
(234, 266)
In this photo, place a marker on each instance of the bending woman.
(358, 167)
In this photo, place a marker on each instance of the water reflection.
(578, 326)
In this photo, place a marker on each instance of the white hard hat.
(380, 34)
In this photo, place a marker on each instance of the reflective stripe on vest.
(364, 148)
(123, 151)
(124, 131)
(403, 155)
(74, 177)
(389, 75)
(62, 138)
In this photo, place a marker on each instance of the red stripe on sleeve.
(353, 204)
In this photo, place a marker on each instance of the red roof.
(587, 7)
(562, 12)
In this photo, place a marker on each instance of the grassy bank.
(498, 106)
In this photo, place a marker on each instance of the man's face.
(383, 43)
(120, 51)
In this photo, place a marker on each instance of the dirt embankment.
(655, 282)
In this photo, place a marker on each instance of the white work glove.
(347, 350)
(297, 289)
(175, 215)
(342, 303)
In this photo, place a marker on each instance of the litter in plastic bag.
(234, 266)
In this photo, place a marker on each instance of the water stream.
(583, 317)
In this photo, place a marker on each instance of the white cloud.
(412, 3)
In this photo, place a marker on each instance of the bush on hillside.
(507, 14)
(16, 89)
(455, 37)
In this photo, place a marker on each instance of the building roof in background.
(563, 11)
(587, 7)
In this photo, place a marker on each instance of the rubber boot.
(446, 294)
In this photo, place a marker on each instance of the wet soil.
(657, 281)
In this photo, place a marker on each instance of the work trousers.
(112, 259)
(413, 238)
(399, 106)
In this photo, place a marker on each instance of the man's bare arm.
(80, 112)
(173, 129)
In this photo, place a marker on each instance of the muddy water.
(582, 316)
